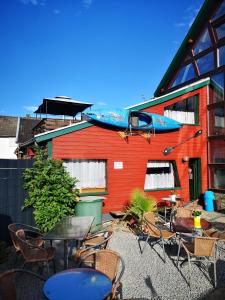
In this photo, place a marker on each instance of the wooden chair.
(108, 262)
(10, 289)
(152, 230)
(97, 241)
(33, 253)
(202, 247)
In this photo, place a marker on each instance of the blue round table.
(78, 284)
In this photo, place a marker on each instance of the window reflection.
(217, 151)
(216, 88)
(206, 63)
(220, 31)
(185, 74)
(217, 178)
(203, 43)
(185, 111)
(222, 56)
(220, 11)
(216, 120)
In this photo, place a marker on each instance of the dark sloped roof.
(8, 126)
(62, 105)
(205, 12)
(25, 131)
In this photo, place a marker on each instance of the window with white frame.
(161, 174)
(91, 174)
(185, 111)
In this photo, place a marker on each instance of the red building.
(190, 160)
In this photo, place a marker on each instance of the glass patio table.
(70, 228)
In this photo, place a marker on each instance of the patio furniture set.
(97, 270)
(199, 244)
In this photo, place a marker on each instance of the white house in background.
(14, 130)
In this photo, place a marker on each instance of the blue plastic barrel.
(209, 197)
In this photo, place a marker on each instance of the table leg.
(65, 254)
(165, 212)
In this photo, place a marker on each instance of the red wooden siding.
(99, 143)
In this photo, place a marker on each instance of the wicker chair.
(33, 253)
(11, 289)
(220, 235)
(108, 262)
(32, 234)
(152, 230)
(202, 247)
(93, 242)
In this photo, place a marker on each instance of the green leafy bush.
(51, 190)
(140, 203)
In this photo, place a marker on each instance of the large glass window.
(217, 151)
(203, 43)
(216, 120)
(216, 88)
(185, 111)
(206, 63)
(161, 175)
(90, 173)
(220, 31)
(185, 74)
(220, 11)
(222, 56)
(217, 177)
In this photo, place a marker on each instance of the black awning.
(62, 106)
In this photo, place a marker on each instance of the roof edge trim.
(45, 136)
(188, 88)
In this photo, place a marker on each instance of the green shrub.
(51, 190)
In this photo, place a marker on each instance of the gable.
(199, 53)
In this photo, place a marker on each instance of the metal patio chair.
(13, 285)
(33, 234)
(108, 262)
(33, 253)
(201, 247)
(153, 231)
(93, 242)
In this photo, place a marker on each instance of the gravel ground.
(148, 277)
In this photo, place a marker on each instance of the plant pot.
(197, 222)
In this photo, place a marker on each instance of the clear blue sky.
(108, 52)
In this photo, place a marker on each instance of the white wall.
(7, 147)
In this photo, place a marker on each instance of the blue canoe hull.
(134, 120)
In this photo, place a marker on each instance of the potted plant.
(197, 218)
(139, 204)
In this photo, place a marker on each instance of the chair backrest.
(149, 223)
(182, 212)
(12, 231)
(106, 261)
(204, 246)
(33, 232)
(9, 289)
(30, 251)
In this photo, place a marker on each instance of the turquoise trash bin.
(90, 206)
(209, 198)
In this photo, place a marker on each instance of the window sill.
(93, 194)
(162, 189)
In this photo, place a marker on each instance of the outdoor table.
(70, 228)
(186, 225)
(79, 284)
(168, 199)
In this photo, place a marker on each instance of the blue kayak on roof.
(132, 120)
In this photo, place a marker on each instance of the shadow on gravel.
(149, 284)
